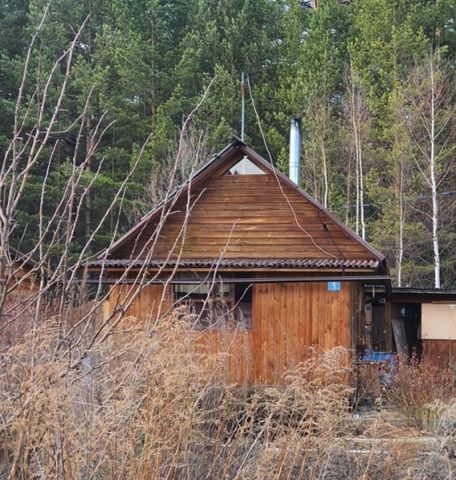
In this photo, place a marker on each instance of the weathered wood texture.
(245, 216)
(17, 314)
(289, 321)
(144, 304)
(360, 336)
(439, 352)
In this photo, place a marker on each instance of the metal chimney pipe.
(295, 151)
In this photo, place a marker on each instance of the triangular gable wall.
(242, 216)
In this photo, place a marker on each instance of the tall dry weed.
(416, 387)
(152, 404)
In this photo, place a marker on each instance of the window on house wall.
(216, 306)
(245, 167)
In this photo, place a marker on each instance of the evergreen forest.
(373, 82)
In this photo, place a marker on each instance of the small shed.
(429, 319)
(268, 273)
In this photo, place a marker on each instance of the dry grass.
(416, 390)
(149, 405)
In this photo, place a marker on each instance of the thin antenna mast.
(242, 106)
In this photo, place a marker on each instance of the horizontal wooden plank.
(262, 230)
(232, 219)
(244, 179)
(254, 217)
(246, 209)
(234, 196)
(248, 251)
(193, 235)
(248, 201)
(249, 240)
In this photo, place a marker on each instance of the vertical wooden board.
(314, 314)
(285, 322)
(327, 306)
(138, 303)
(147, 307)
(321, 314)
(280, 331)
(303, 330)
(287, 319)
(347, 330)
(342, 313)
(106, 309)
(257, 332)
(128, 295)
(143, 307)
(292, 321)
(339, 315)
(305, 327)
(441, 353)
(269, 332)
(269, 329)
(236, 348)
(356, 317)
(267, 322)
(259, 335)
(113, 298)
(306, 292)
(247, 356)
(278, 336)
(295, 325)
(298, 323)
(269, 348)
(252, 335)
(388, 313)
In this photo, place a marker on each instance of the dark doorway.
(410, 315)
(379, 334)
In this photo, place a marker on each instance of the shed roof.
(422, 295)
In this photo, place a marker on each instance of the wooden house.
(255, 258)
(19, 286)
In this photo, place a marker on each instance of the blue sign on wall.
(334, 286)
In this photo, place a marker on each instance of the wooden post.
(387, 326)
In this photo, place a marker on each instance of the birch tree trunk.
(358, 114)
(431, 116)
(433, 181)
(400, 247)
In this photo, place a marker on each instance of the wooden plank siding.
(246, 216)
(146, 305)
(441, 353)
(254, 220)
(289, 321)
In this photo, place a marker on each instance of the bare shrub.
(416, 386)
(155, 405)
(150, 402)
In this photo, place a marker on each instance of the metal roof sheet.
(237, 263)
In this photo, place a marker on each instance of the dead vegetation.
(417, 391)
(150, 404)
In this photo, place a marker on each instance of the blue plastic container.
(372, 356)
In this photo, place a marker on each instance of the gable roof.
(291, 216)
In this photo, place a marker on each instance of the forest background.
(371, 80)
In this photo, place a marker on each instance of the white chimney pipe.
(295, 151)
